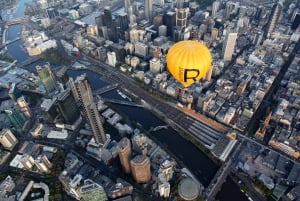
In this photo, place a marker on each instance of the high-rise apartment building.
(47, 78)
(125, 154)
(82, 92)
(148, 10)
(228, 46)
(274, 17)
(7, 139)
(140, 169)
(95, 123)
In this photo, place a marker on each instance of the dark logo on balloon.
(187, 74)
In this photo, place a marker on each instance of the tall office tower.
(16, 118)
(140, 169)
(7, 139)
(296, 21)
(109, 23)
(127, 4)
(181, 17)
(47, 78)
(228, 10)
(179, 3)
(273, 19)
(67, 107)
(170, 22)
(22, 104)
(63, 77)
(125, 154)
(123, 21)
(215, 8)
(148, 10)
(83, 93)
(259, 12)
(214, 33)
(228, 46)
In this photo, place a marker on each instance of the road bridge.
(20, 20)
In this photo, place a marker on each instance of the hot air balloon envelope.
(188, 61)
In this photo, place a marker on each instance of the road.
(220, 177)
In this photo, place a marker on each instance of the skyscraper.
(7, 139)
(95, 123)
(67, 107)
(63, 76)
(83, 95)
(181, 17)
(273, 19)
(125, 154)
(123, 21)
(148, 10)
(47, 78)
(228, 46)
(215, 8)
(24, 107)
(16, 118)
(109, 23)
(127, 4)
(179, 3)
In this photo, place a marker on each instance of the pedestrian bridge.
(121, 102)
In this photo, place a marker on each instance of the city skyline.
(88, 102)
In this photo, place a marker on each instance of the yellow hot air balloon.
(188, 61)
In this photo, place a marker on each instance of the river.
(200, 165)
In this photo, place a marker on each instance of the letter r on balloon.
(191, 74)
